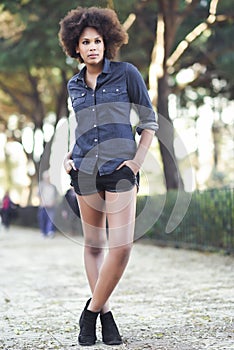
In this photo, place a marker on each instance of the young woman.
(105, 161)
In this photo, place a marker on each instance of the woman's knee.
(93, 250)
(121, 253)
(95, 242)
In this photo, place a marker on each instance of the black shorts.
(119, 181)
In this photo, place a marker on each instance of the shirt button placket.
(95, 130)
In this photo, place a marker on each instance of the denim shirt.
(104, 135)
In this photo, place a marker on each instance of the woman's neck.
(92, 72)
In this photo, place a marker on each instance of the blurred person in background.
(6, 210)
(48, 201)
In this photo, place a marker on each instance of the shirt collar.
(106, 70)
(106, 66)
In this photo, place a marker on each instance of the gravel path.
(168, 299)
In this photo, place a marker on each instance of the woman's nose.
(93, 46)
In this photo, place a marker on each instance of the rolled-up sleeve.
(139, 97)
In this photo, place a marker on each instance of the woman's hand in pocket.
(131, 164)
(68, 163)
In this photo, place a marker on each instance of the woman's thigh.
(93, 216)
(121, 210)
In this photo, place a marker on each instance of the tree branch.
(61, 105)
(129, 21)
(157, 58)
(194, 34)
(14, 99)
(38, 114)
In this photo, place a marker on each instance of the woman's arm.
(143, 147)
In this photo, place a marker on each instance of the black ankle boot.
(85, 308)
(110, 333)
(87, 323)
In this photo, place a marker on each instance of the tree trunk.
(159, 87)
(166, 137)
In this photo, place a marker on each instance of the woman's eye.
(86, 42)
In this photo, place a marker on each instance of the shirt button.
(93, 109)
(95, 140)
(96, 155)
(117, 90)
(95, 126)
(104, 90)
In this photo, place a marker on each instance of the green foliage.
(213, 49)
(141, 36)
(37, 44)
(208, 222)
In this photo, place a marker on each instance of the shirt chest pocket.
(114, 94)
(78, 100)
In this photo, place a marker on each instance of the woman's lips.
(93, 56)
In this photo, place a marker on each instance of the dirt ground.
(168, 299)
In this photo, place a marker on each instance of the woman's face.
(91, 46)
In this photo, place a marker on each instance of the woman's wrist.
(134, 165)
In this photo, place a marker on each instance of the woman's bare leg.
(120, 209)
(93, 217)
